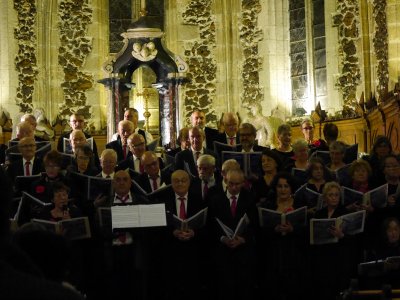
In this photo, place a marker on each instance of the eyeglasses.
(308, 128)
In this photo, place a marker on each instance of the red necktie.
(205, 189)
(155, 185)
(124, 150)
(182, 210)
(232, 141)
(141, 169)
(27, 171)
(233, 206)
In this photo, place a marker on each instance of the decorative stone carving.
(347, 20)
(25, 60)
(75, 16)
(145, 52)
(380, 44)
(266, 126)
(200, 57)
(249, 37)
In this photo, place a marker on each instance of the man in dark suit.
(133, 162)
(247, 138)
(234, 255)
(152, 178)
(131, 114)
(108, 163)
(28, 164)
(198, 118)
(230, 136)
(77, 122)
(196, 137)
(121, 147)
(183, 245)
(123, 243)
(208, 176)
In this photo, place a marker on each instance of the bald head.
(122, 183)
(137, 144)
(151, 164)
(180, 181)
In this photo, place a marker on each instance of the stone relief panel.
(347, 19)
(25, 60)
(250, 35)
(199, 55)
(380, 44)
(120, 16)
(75, 17)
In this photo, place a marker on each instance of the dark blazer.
(196, 185)
(143, 180)
(117, 147)
(219, 207)
(16, 168)
(211, 134)
(221, 137)
(173, 152)
(234, 266)
(187, 156)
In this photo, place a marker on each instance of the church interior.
(332, 60)
(268, 62)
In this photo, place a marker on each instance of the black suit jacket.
(187, 156)
(196, 186)
(221, 137)
(210, 133)
(117, 147)
(143, 180)
(219, 207)
(16, 168)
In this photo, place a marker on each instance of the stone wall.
(347, 19)
(393, 21)
(199, 54)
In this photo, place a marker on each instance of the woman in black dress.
(330, 264)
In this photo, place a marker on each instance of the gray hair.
(299, 144)
(206, 159)
(110, 152)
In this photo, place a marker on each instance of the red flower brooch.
(316, 143)
(40, 189)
